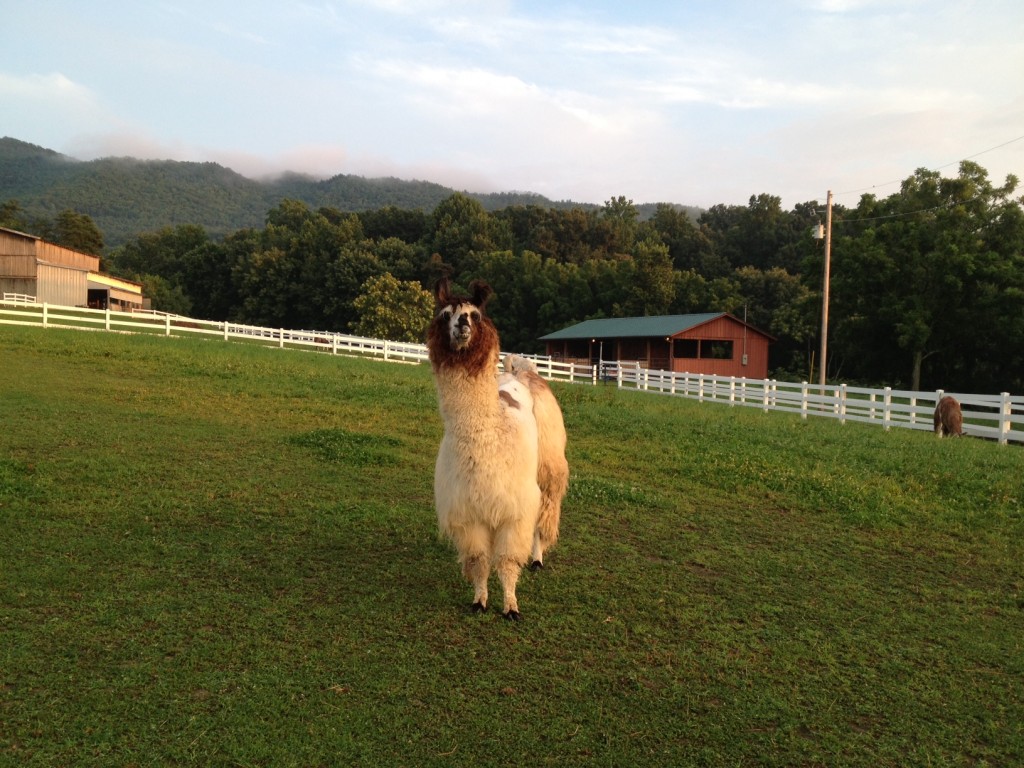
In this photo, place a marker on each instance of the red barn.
(715, 342)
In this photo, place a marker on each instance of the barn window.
(718, 350)
(698, 349)
(686, 348)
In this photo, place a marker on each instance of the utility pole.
(824, 294)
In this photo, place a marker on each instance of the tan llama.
(501, 471)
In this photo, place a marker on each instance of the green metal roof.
(636, 327)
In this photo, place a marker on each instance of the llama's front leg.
(508, 573)
(477, 569)
(474, 544)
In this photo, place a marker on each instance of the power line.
(939, 168)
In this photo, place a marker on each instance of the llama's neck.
(467, 401)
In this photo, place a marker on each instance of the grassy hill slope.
(226, 554)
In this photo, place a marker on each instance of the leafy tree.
(780, 304)
(13, 216)
(78, 232)
(688, 245)
(409, 226)
(621, 219)
(917, 273)
(649, 287)
(164, 253)
(399, 310)
(462, 228)
(165, 296)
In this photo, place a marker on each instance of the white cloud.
(50, 90)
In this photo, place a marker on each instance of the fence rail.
(995, 417)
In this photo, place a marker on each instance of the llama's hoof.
(536, 565)
(478, 608)
(513, 615)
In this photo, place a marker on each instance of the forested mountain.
(127, 197)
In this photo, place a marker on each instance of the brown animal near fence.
(949, 419)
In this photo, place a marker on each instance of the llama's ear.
(442, 291)
(481, 292)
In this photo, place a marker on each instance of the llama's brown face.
(461, 321)
(461, 335)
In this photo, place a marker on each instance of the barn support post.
(887, 409)
(1005, 411)
(803, 400)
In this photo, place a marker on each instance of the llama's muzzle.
(461, 333)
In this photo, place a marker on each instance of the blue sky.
(688, 102)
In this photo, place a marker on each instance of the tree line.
(927, 287)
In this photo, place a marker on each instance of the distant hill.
(126, 196)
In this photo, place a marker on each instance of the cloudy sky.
(687, 102)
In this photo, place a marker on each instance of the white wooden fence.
(995, 417)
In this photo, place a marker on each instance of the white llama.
(501, 471)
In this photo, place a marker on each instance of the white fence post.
(803, 399)
(106, 320)
(842, 403)
(1005, 410)
(45, 314)
(887, 408)
(167, 325)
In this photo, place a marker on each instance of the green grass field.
(219, 554)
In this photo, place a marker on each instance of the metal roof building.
(711, 342)
(54, 274)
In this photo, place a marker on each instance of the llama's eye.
(474, 316)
